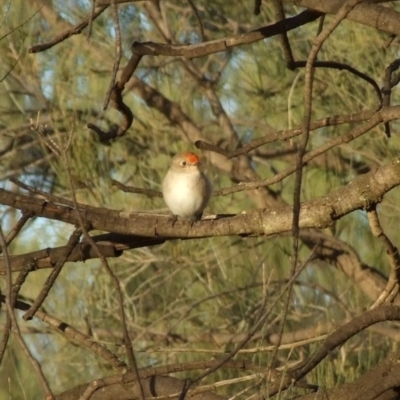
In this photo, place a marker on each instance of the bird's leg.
(174, 218)
(197, 217)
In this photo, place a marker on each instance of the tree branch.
(383, 18)
(215, 46)
(319, 213)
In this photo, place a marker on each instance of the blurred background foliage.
(186, 300)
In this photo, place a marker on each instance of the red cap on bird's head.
(191, 158)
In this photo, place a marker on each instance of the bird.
(185, 188)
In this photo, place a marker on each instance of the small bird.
(185, 188)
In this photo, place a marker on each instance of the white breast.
(186, 194)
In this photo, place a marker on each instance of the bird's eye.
(183, 163)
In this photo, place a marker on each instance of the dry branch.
(48, 258)
(123, 387)
(8, 300)
(379, 383)
(286, 134)
(72, 334)
(392, 288)
(345, 332)
(72, 242)
(319, 213)
(118, 103)
(384, 19)
(74, 30)
(215, 46)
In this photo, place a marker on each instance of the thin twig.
(196, 13)
(75, 30)
(287, 51)
(91, 19)
(118, 52)
(308, 87)
(345, 138)
(393, 284)
(344, 333)
(131, 189)
(91, 388)
(388, 85)
(343, 66)
(285, 134)
(72, 242)
(20, 25)
(114, 278)
(15, 290)
(19, 281)
(62, 151)
(18, 226)
(14, 323)
(118, 103)
(73, 334)
(264, 314)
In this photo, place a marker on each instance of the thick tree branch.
(379, 383)
(318, 213)
(383, 18)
